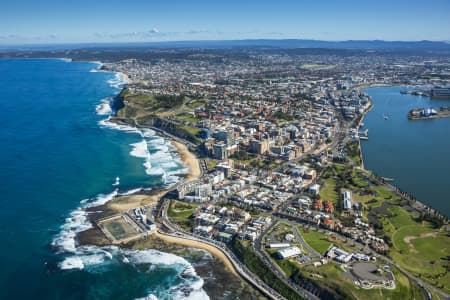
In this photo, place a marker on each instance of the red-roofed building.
(328, 207)
(317, 204)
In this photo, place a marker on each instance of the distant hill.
(276, 43)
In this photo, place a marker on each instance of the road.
(312, 252)
(257, 246)
(424, 285)
(341, 136)
(241, 269)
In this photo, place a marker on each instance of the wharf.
(439, 114)
(424, 114)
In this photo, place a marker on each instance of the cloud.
(153, 33)
(23, 38)
(196, 31)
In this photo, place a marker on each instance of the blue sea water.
(56, 150)
(416, 153)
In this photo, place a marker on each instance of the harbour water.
(416, 153)
(58, 155)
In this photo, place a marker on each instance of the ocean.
(415, 153)
(58, 155)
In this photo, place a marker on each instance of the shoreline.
(198, 245)
(375, 85)
(123, 75)
(189, 159)
(137, 198)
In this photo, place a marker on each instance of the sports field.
(119, 228)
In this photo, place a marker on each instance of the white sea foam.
(104, 108)
(154, 257)
(118, 81)
(159, 163)
(191, 288)
(107, 123)
(140, 149)
(130, 192)
(147, 132)
(88, 257)
(73, 262)
(149, 297)
(196, 291)
(162, 158)
(78, 222)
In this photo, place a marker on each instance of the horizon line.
(48, 44)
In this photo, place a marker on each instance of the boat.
(117, 182)
(385, 116)
(387, 179)
(363, 138)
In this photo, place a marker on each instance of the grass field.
(332, 277)
(181, 213)
(186, 117)
(317, 240)
(418, 247)
(327, 191)
(424, 251)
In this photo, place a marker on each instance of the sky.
(88, 21)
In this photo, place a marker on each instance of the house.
(328, 206)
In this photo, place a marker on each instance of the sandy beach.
(194, 244)
(123, 204)
(125, 76)
(189, 159)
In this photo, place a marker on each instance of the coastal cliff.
(156, 111)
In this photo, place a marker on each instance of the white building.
(279, 245)
(289, 252)
(314, 189)
(347, 200)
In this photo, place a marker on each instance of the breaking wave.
(118, 82)
(104, 108)
(160, 156)
(160, 159)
